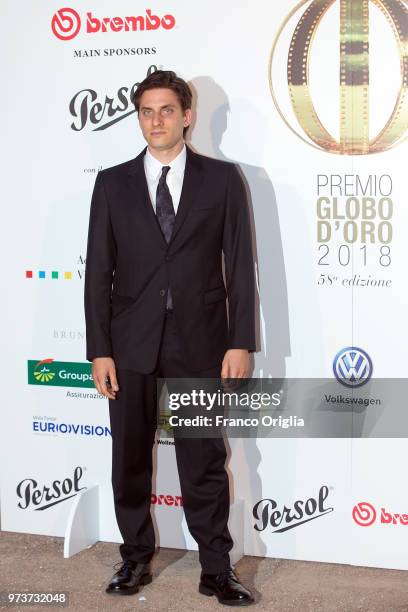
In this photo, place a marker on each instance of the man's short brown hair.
(166, 79)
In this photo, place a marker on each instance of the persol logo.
(354, 76)
(98, 111)
(41, 497)
(268, 513)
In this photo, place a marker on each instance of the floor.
(36, 563)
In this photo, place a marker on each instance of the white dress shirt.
(153, 169)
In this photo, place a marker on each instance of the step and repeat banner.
(310, 100)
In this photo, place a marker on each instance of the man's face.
(162, 119)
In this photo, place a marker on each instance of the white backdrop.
(65, 116)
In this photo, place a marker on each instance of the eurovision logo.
(30, 493)
(365, 515)
(268, 514)
(51, 426)
(48, 372)
(354, 75)
(66, 23)
(352, 367)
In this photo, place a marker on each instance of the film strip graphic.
(354, 76)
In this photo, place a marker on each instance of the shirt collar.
(154, 166)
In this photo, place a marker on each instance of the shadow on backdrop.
(210, 122)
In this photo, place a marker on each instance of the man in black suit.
(155, 306)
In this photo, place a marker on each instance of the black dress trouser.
(200, 462)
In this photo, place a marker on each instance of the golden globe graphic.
(353, 36)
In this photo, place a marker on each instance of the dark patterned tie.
(165, 214)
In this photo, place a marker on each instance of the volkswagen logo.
(352, 367)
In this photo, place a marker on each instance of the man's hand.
(103, 367)
(235, 364)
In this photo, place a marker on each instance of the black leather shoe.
(226, 587)
(129, 577)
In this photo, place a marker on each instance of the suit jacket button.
(162, 292)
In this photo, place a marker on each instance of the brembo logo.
(365, 515)
(166, 500)
(66, 23)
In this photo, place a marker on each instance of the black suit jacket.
(129, 266)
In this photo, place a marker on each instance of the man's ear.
(188, 115)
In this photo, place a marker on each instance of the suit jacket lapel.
(193, 176)
(140, 196)
(139, 191)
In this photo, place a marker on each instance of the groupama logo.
(51, 373)
(66, 23)
(42, 371)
